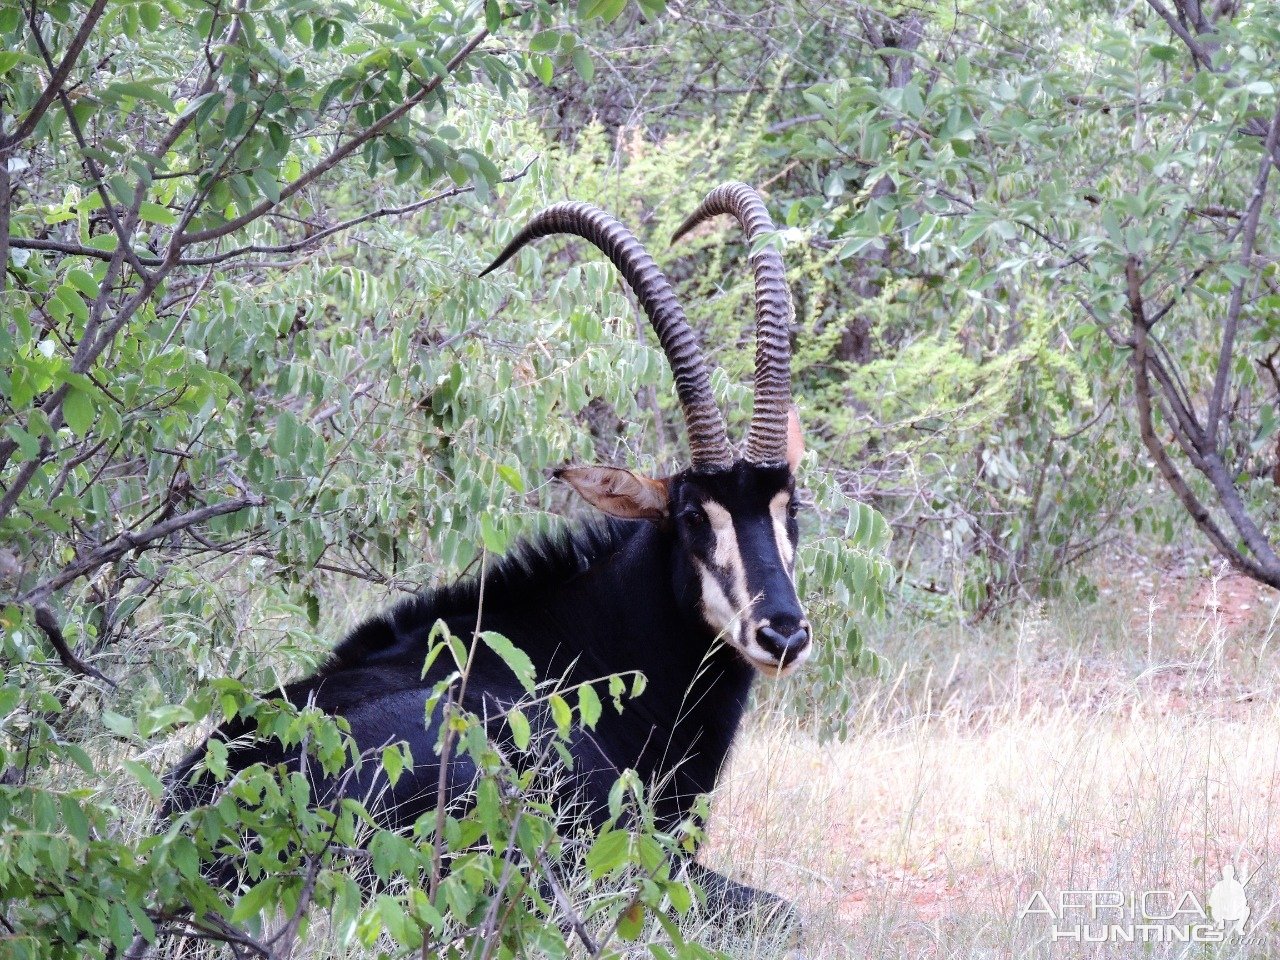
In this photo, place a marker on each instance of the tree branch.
(124, 542)
(1198, 53)
(1248, 237)
(57, 77)
(6, 202)
(381, 212)
(1263, 568)
(48, 622)
(70, 249)
(338, 154)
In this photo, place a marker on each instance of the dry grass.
(1126, 746)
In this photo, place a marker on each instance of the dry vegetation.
(1129, 745)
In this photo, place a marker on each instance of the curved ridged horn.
(708, 441)
(767, 439)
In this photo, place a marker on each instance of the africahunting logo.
(1144, 916)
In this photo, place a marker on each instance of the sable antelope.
(690, 580)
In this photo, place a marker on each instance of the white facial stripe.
(727, 556)
(717, 608)
(725, 587)
(778, 511)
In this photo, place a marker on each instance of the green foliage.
(251, 387)
(1006, 183)
(964, 194)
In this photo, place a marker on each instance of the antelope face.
(735, 536)
(737, 532)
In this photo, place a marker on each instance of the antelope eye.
(693, 517)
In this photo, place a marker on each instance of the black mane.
(534, 566)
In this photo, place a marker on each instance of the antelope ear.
(619, 493)
(795, 439)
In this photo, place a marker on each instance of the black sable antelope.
(690, 581)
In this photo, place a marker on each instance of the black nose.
(784, 644)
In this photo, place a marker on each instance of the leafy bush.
(251, 388)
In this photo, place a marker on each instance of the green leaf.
(154, 213)
(77, 410)
(544, 42)
(286, 435)
(117, 723)
(610, 10)
(392, 762)
(543, 68)
(266, 182)
(144, 775)
(139, 90)
(28, 445)
(631, 923)
(582, 63)
(512, 477)
(265, 895)
(561, 713)
(83, 281)
(73, 818)
(516, 659)
(519, 725)
(608, 853)
(494, 537)
(588, 706)
(8, 60)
